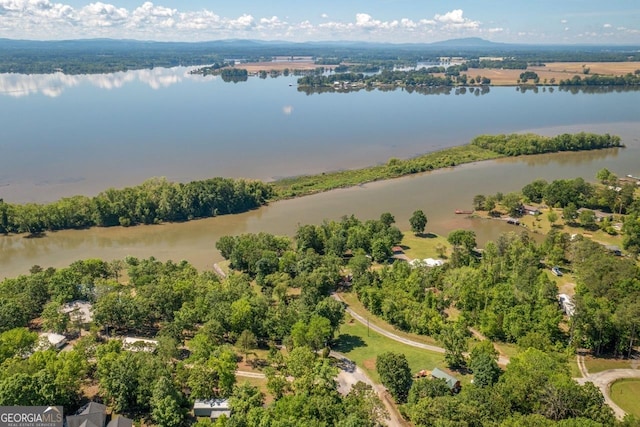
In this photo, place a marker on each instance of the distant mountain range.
(470, 43)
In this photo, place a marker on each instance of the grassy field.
(598, 364)
(363, 346)
(625, 394)
(423, 246)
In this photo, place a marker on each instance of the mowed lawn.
(598, 364)
(625, 394)
(423, 246)
(363, 347)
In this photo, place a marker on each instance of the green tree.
(427, 387)
(462, 239)
(479, 201)
(380, 250)
(552, 216)
(454, 340)
(418, 222)
(485, 370)
(395, 374)
(246, 342)
(588, 219)
(570, 213)
(166, 404)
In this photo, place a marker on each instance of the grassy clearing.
(352, 300)
(625, 394)
(424, 245)
(598, 364)
(508, 349)
(363, 347)
(260, 383)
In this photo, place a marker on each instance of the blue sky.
(394, 21)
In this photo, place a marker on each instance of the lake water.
(64, 135)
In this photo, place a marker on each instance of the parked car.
(556, 270)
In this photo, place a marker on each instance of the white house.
(212, 408)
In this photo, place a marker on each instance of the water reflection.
(422, 90)
(54, 85)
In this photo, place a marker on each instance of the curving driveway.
(603, 381)
(502, 360)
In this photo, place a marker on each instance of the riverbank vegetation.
(483, 147)
(158, 200)
(154, 201)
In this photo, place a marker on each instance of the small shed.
(452, 382)
(212, 408)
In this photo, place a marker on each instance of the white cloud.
(456, 20)
(287, 110)
(54, 19)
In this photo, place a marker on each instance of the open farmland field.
(255, 67)
(555, 70)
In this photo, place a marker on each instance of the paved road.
(603, 381)
(350, 374)
(250, 374)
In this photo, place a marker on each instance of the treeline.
(506, 64)
(154, 201)
(607, 300)
(520, 144)
(421, 77)
(598, 80)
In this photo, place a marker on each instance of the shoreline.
(34, 220)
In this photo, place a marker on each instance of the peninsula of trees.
(158, 200)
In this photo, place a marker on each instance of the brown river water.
(437, 193)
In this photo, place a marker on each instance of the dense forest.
(154, 201)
